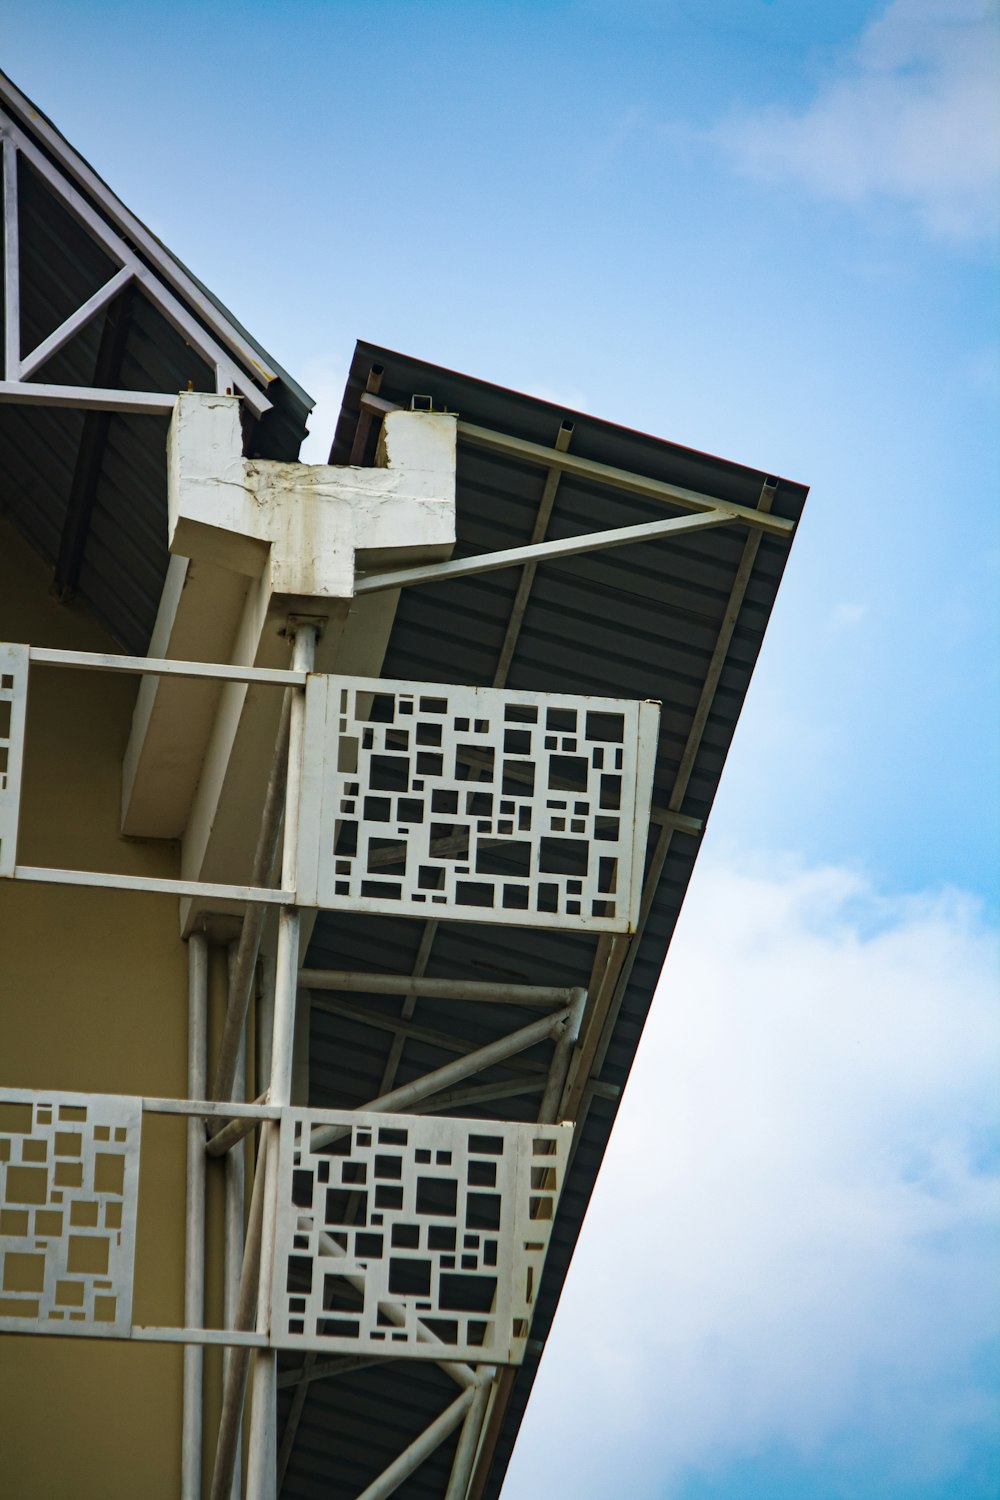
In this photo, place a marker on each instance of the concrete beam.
(255, 542)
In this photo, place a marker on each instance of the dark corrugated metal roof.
(638, 622)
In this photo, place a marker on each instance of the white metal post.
(561, 1058)
(422, 1447)
(468, 1442)
(233, 1243)
(11, 264)
(263, 1451)
(194, 1257)
(234, 1389)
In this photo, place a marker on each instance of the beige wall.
(92, 997)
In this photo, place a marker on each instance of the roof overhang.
(675, 615)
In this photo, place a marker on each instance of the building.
(307, 808)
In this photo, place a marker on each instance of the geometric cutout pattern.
(412, 1236)
(69, 1179)
(481, 804)
(13, 703)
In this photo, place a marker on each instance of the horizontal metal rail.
(159, 666)
(87, 398)
(621, 479)
(207, 1109)
(140, 1334)
(438, 989)
(152, 885)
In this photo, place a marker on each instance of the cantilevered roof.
(678, 620)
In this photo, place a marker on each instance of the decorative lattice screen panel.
(412, 1236)
(69, 1181)
(13, 703)
(477, 803)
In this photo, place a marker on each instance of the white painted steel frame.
(13, 714)
(262, 1454)
(132, 268)
(15, 660)
(235, 1189)
(136, 233)
(67, 330)
(194, 1245)
(11, 262)
(86, 398)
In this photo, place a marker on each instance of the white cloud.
(846, 615)
(791, 1238)
(913, 117)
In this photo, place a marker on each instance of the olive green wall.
(93, 997)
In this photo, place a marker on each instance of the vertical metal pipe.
(562, 1056)
(235, 1386)
(194, 1246)
(263, 1449)
(262, 1454)
(11, 264)
(244, 964)
(233, 1247)
(264, 1028)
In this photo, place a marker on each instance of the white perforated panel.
(13, 703)
(69, 1179)
(412, 1236)
(528, 809)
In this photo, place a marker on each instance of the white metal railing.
(430, 800)
(394, 1235)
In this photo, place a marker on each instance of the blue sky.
(769, 230)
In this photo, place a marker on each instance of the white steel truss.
(141, 262)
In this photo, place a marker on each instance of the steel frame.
(141, 263)
(581, 1028)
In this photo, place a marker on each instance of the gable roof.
(88, 487)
